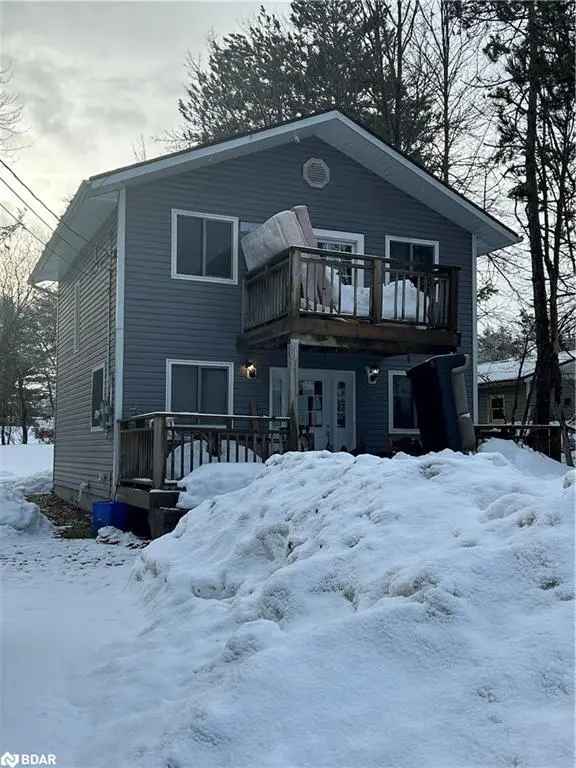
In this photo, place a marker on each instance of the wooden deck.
(350, 301)
(158, 449)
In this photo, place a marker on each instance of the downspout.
(109, 394)
(474, 329)
(119, 333)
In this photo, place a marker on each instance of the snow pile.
(345, 611)
(526, 459)
(18, 515)
(24, 469)
(27, 467)
(401, 300)
(211, 480)
(197, 454)
(25, 460)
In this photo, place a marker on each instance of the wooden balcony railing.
(158, 449)
(370, 289)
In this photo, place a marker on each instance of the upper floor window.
(195, 386)
(412, 252)
(204, 247)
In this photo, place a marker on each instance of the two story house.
(170, 353)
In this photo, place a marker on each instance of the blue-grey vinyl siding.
(83, 456)
(182, 319)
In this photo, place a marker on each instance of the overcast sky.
(93, 76)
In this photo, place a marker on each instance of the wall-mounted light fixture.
(372, 373)
(249, 370)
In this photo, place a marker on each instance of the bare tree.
(10, 110)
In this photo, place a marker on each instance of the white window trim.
(101, 367)
(203, 364)
(416, 241)
(391, 428)
(345, 237)
(174, 247)
(76, 319)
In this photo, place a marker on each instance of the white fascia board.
(390, 164)
(85, 215)
(231, 147)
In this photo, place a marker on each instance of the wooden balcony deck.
(158, 449)
(350, 301)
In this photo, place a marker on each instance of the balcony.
(350, 301)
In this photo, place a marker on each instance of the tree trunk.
(398, 83)
(23, 412)
(545, 354)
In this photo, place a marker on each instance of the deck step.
(163, 520)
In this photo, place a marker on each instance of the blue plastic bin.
(109, 513)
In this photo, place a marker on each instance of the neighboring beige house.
(503, 388)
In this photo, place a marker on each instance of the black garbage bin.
(439, 392)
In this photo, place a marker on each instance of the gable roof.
(95, 197)
(498, 371)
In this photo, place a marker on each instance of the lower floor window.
(402, 411)
(199, 387)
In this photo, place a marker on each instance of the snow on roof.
(509, 370)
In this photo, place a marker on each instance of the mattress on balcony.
(276, 235)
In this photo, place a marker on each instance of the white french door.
(326, 405)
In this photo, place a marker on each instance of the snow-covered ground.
(64, 604)
(335, 612)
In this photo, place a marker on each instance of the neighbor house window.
(204, 247)
(497, 409)
(97, 399)
(401, 409)
(411, 252)
(194, 386)
(76, 318)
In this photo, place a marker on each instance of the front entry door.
(325, 405)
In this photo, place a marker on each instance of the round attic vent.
(316, 173)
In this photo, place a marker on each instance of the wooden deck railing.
(550, 439)
(157, 449)
(311, 281)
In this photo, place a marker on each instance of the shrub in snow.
(345, 611)
(211, 480)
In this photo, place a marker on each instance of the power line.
(29, 207)
(21, 223)
(42, 203)
(50, 226)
